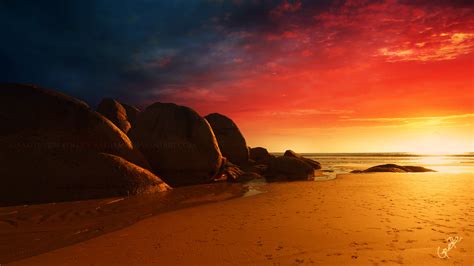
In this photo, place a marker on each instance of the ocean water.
(345, 162)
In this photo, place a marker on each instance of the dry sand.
(365, 219)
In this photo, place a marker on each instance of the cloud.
(422, 121)
(134, 50)
(306, 112)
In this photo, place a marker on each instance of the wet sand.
(26, 231)
(364, 219)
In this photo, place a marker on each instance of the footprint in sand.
(334, 254)
(299, 261)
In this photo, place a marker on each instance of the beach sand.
(364, 219)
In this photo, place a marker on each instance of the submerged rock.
(178, 143)
(51, 142)
(115, 112)
(231, 141)
(313, 163)
(394, 168)
(289, 168)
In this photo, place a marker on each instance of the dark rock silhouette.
(254, 167)
(289, 168)
(43, 133)
(231, 141)
(52, 176)
(132, 112)
(234, 173)
(313, 163)
(394, 168)
(115, 112)
(261, 155)
(178, 143)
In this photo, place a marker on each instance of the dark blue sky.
(93, 49)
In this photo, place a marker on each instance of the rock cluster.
(56, 148)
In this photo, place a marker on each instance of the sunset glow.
(358, 77)
(319, 76)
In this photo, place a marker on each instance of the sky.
(312, 76)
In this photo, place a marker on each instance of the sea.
(339, 163)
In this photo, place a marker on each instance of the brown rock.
(178, 143)
(115, 112)
(261, 155)
(44, 133)
(394, 168)
(234, 173)
(52, 176)
(231, 141)
(293, 154)
(48, 119)
(132, 113)
(289, 168)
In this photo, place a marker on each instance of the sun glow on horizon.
(428, 136)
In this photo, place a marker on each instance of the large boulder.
(178, 143)
(115, 112)
(313, 163)
(52, 176)
(394, 168)
(289, 168)
(40, 125)
(231, 141)
(132, 113)
(261, 155)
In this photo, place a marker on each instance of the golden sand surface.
(364, 219)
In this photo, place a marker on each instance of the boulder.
(255, 168)
(261, 155)
(42, 131)
(231, 141)
(289, 168)
(234, 173)
(52, 176)
(178, 143)
(394, 168)
(313, 163)
(48, 119)
(115, 112)
(417, 169)
(132, 112)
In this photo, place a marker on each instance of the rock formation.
(178, 143)
(45, 133)
(394, 168)
(289, 168)
(115, 112)
(132, 113)
(261, 155)
(231, 141)
(293, 154)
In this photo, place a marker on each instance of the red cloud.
(370, 60)
(286, 7)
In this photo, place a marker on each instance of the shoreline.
(375, 218)
(30, 230)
